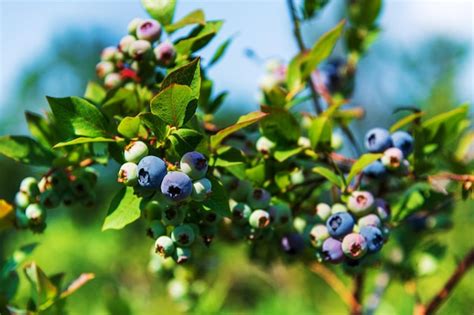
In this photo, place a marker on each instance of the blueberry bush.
(273, 181)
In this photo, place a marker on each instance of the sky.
(26, 27)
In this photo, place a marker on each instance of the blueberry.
(403, 141)
(149, 30)
(182, 255)
(29, 186)
(392, 158)
(112, 80)
(165, 53)
(50, 199)
(135, 151)
(211, 218)
(323, 211)
(59, 180)
(280, 213)
(360, 203)
(265, 145)
(151, 171)
(22, 200)
(292, 244)
(382, 209)
(80, 187)
(139, 49)
(36, 214)
(128, 174)
(164, 246)
(176, 186)
(337, 208)
(370, 219)
(194, 164)
(108, 53)
(239, 189)
(336, 141)
(375, 169)
(259, 198)
(332, 74)
(354, 246)
(173, 216)
(332, 251)
(297, 177)
(378, 140)
(125, 42)
(133, 24)
(240, 212)
(201, 189)
(69, 198)
(156, 229)
(318, 234)
(373, 237)
(340, 224)
(259, 219)
(183, 235)
(103, 68)
(304, 142)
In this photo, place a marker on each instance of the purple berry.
(360, 203)
(378, 140)
(149, 30)
(151, 171)
(194, 164)
(354, 245)
(340, 224)
(292, 244)
(177, 186)
(165, 53)
(332, 251)
(382, 209)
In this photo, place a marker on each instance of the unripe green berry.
(183, 235)
(259, 219)
(323, 211)
(201, 189)
(103, 68)
(259, 198)
(128, 174)
(133, 24)
(156, 229)
(135, 151)
(280, 213)
(139, 48)
(108, 53)
(50, 199)
(125, 43)
(182, 255)
(22, 200)
(59, 181)
(29, 185)
(338, 207)
(173, 216)
(318, 234)
(112, 80)
(304, 142)
(240, 212)
(35, 214)
(164, 246)
(265, 145)
(240, 189)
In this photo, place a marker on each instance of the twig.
(301, 46)
(381, 284)
(432, 306)
(356, 308)
(334, 283)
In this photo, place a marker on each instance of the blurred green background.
(424, 56)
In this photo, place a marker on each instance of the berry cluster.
(396, 148)
(57, 186)
(175, 214)
(350, 232)
(135, 59)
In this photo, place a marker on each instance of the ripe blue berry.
(201, 189)
(194, 164)
(332, 251)
(360, 203)
(340, 224)
(128, 174)
(375, 169)
(164, 246)
(240, 212)
(318, 234)
(182, 255)
(373, 237)
(378, 140)
(259, 198)
(156, 229)
(392, 158)
(354, 246)
(139, 49)
(165, 53)
(176, 186)
(259, 219)
(135, 151)
(403, 141)
(292, 244)
(183, 235)
(151, 171)
(149, 30)
(370, 219)
(382, 209)
(35, 214)
(323, 211)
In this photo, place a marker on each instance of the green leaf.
(82, 140)
(312, 7)
(244, 121)
(156, 125)
(25, 150)
(220, 51)
(229, 156)
(16, 259)
(450, 121)
(175, 105)
(198, 38)
(122, 102)
(42, 289)
(364, 12)
(40, 129)
(123, 210)
(282, 155)
(184, 140)
(129, 127)
(218, 201)
(320, 133)
(329, 175)
(362, 163)
(195, 17)
(256, 174)
(189, 74)
(217, 102)
(95, 92)
(322, 49)
(280, 125)
(294, 77)
(405, 121)
(161, 10)
(78, 116)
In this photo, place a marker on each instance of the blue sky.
(263, 25)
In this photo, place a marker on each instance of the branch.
(463, 267)
(356, 308)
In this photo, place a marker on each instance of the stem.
(463, 267)
(356, 308)
(302, 48)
